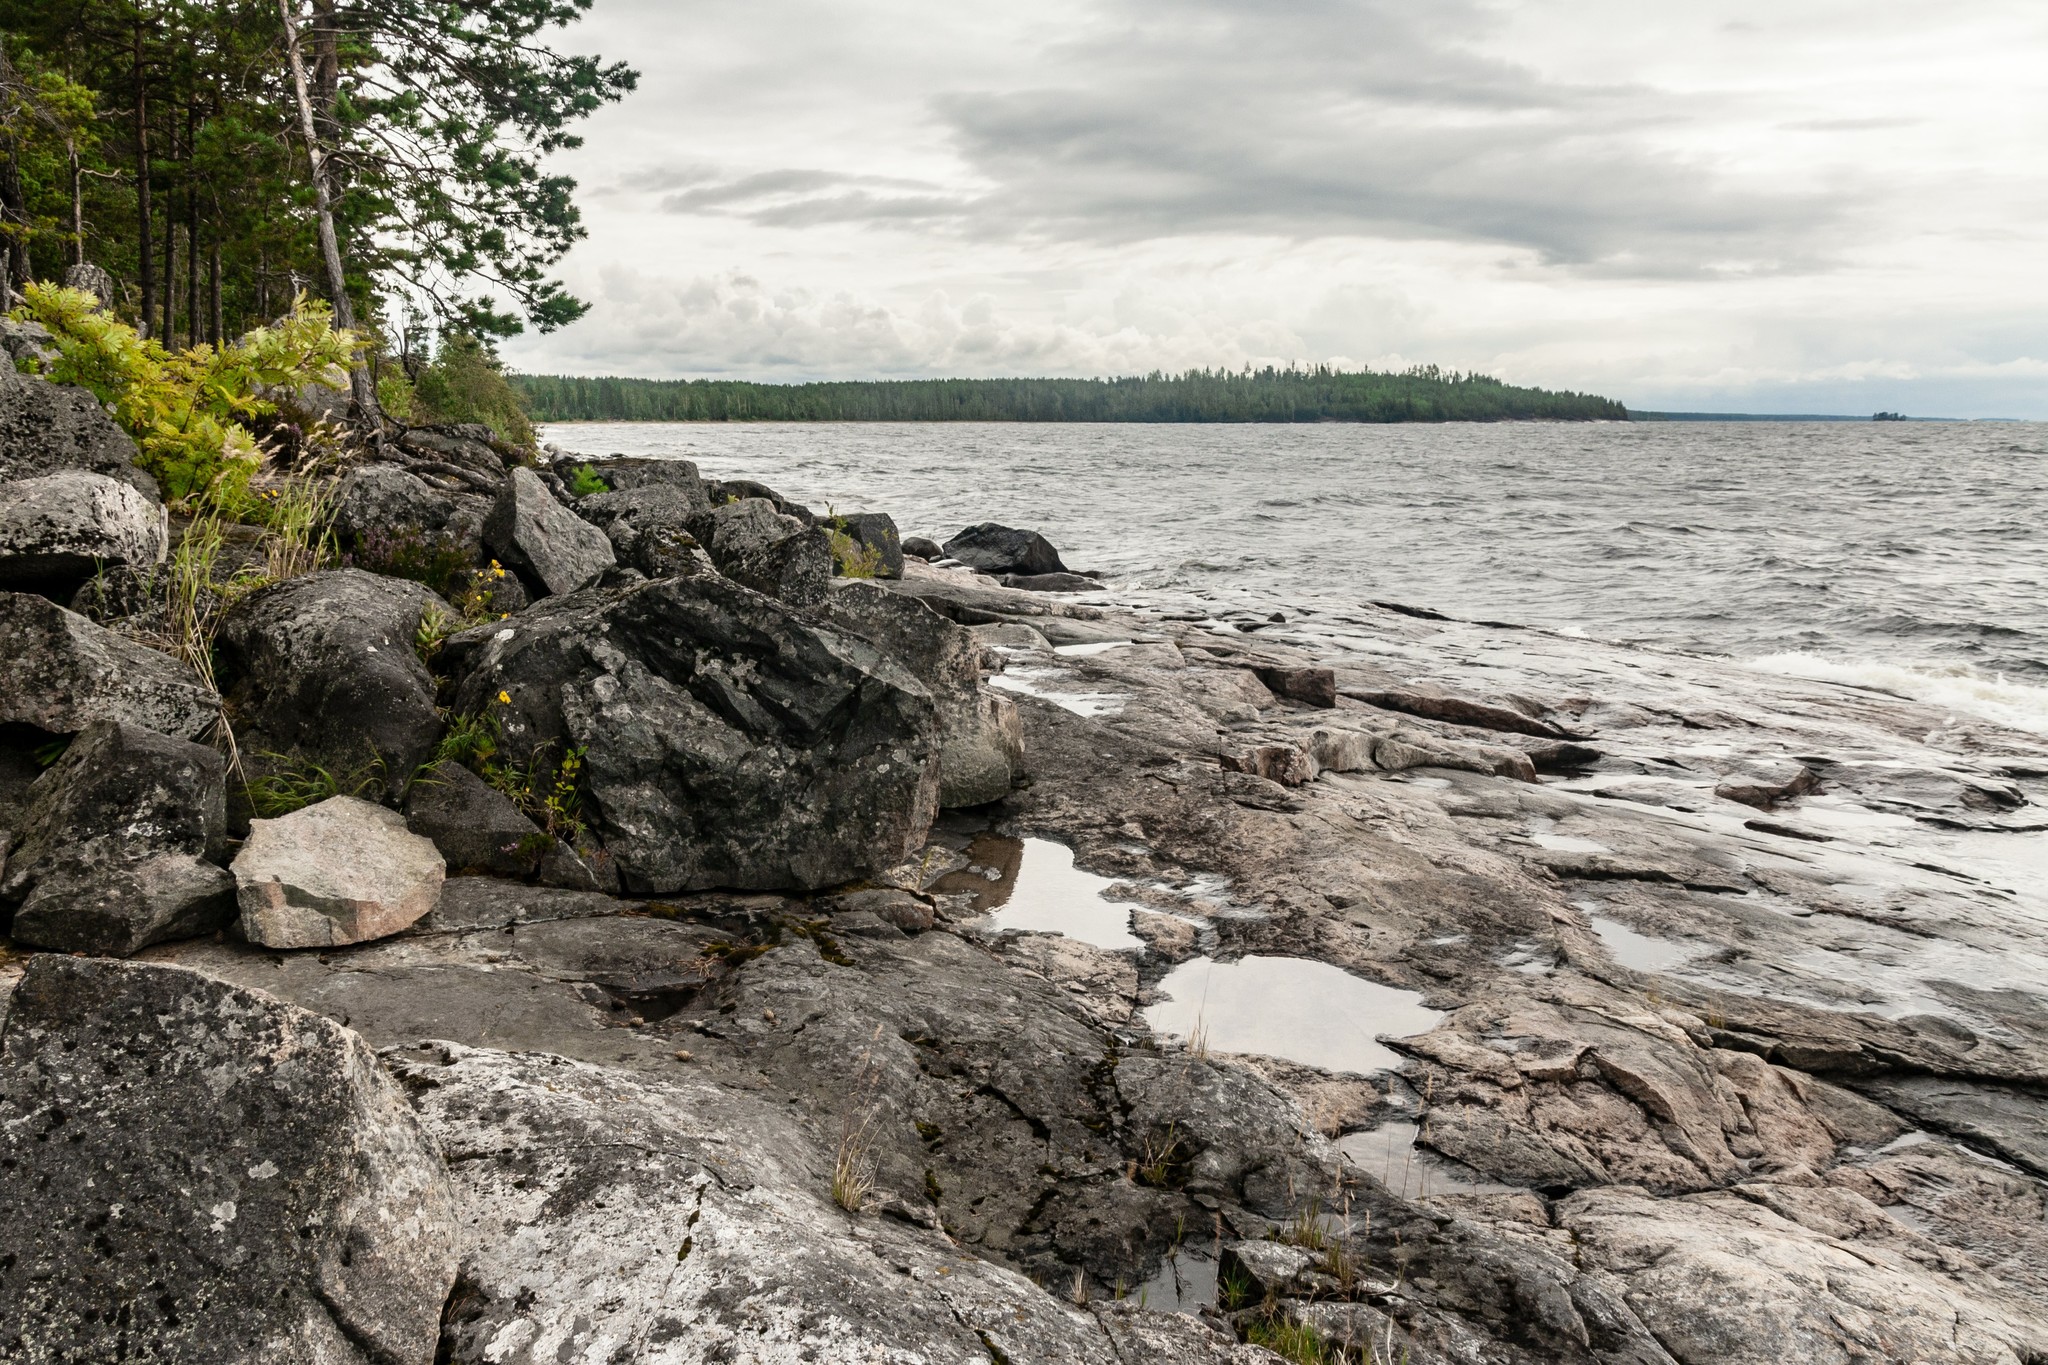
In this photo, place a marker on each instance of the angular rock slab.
(341, 871)
(324, 666)
(60, 528)
(770, 552)
(729, 741)
(198, 1174)
(120, 842)
(876, 532)
(60, 672)
(678, 1222)
(981, 753)
(383, 514)
(533, 533)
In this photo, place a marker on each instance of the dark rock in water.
(323, 668)
(1316, 686)
(728, 741)
(739, 490)
(875, 534)
(202, 1175)
(1003, 550)
(981, 751)
(1051, 582)
(753, 544)
(339, 871)
(56, 530)
(60, 672)
(120, 843)
(47, 427)
(923, 548)
(474, 825)
(1764, 783)
(553, 549)
(652, 525)
(394, 522)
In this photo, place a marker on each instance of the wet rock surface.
(198, 1173)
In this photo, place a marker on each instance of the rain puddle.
(1640, 952)
(1036, 682)
(1292, 1008)
(1186, 1282)
(1090, 649)
(1566, 843)
(1390, 1155)
(1033, 885)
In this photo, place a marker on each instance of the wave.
(1957, 687)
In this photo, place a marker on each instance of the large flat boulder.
(60, 672)
(727, 740)
(58, 529)
(770, 552)
(554, 550)
(981, 741)
(322, 669)
(47, 427)
(121, 844)
(339, 871)
(199, 1174)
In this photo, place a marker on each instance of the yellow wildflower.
(505, 698)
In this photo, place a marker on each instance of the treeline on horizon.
(1319, 394)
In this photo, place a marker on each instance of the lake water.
(1902, 555)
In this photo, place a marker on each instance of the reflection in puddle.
(1089, 650)
(1037, 682)
(1390, 1155)
(1289, 1007)
(1036, 887)
(1640, 952)
(1186, 1282)
(1566, 843)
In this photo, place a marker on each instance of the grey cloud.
(1317, 118)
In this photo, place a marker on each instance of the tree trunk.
(213, 289)
(77, 204)
(146, 249)
(192, 313)
(362, 389)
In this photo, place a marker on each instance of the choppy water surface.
(1902, 555)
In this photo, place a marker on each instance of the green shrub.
(186, 408)
(466, 384)
(587, 483)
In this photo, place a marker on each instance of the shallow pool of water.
(1043, 684)
(1038, 889)
(1391, 1155)
(1640, 952)
(1292, 1008)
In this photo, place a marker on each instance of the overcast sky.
(1799, 205)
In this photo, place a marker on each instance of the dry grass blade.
(853, 1164)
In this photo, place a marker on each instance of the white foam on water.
(1957, 687)
(1293, 1008)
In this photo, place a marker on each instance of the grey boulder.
(923, 548)
(476, 827)
(393, 521)
(553, 549)
(60, 672)
(981, 741)
(199, 1174)
(323, 669)
(629, 474)
(340, 871)
(57, 529)
(47, 427)
(1001, 550)
(652, 524)
(727, 740)
(121, 844)
(873, 535)
(770, 552)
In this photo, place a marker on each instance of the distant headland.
(1320, 394)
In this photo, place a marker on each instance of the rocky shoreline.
(705, 956)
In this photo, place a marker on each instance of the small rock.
(1341, 751)
(1288, 764)
(1001, 550)
(898, 909)
(59, 672)
(1051, 582)
(198, 1173)
(650, 525)
(1270, 1269)
(114, 852)
(1764, 783)
(923, 548)
(1316, 686)
(341, 871)
(530, 531)
(60, 528)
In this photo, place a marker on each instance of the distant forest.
(1423, 394)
